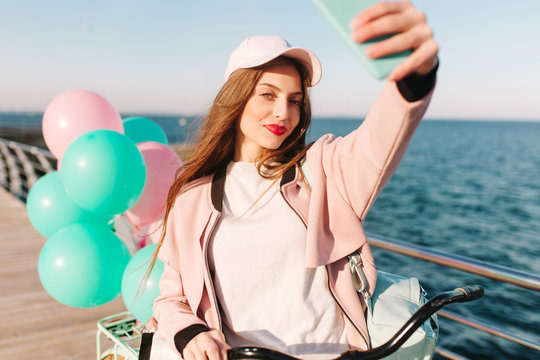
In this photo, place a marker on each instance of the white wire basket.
(122, 334)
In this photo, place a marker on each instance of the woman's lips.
(276, 129)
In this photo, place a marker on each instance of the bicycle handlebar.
(462, 294)
(471, 292)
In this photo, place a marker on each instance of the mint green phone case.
(340, 13)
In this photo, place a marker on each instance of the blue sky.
(167, 56)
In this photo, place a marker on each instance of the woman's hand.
(411, 32)
(209, 345)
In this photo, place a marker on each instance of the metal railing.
(470, 265)
(21, 165)
(485, 269)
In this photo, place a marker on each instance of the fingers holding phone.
(410, 30)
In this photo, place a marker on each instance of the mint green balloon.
(82, 265)
(140, 129)
(104, 172)
(50, 208)
(139, 297)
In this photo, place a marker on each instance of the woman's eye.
(267, 95)
(296, 102)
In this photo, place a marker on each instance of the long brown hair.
(215, 143)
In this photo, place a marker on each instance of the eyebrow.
(278, 89)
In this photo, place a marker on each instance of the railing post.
(4, 180)
(27, 166)
(18, 170)
(14, 174)
(46, 164)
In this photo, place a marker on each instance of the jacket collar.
(218, 184)
(289, 176)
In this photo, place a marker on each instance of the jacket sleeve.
(357, 166)
(172, 311)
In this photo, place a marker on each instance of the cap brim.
(308, 58)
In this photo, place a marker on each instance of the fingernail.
(370, 52)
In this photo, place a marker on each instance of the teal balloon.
(140, 129)
(138, 296)
(104, 172)
(50, 208)
(82, 265)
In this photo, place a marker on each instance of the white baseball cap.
(258, 50)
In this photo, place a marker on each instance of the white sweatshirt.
(266, 294)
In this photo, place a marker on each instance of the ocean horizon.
(26, 126)
(34, 114)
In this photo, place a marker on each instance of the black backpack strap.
(146, 346)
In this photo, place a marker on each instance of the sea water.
(470, 188)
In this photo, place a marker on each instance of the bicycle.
(126, 333)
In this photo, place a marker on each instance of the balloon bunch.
(107, 166)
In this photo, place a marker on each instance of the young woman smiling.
(256, 254)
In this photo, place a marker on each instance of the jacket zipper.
(327, 272)
(292, 208)
(209, 275)
(341, 308)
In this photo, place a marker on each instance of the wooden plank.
(35, 325)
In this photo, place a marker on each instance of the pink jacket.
(347, 174)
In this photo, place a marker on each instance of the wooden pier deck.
(34, 325)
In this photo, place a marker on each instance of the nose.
(281, 109)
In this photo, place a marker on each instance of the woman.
(258, 225)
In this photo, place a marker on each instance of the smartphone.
(340, 13)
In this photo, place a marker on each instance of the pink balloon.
(161, 165)
(73, 113)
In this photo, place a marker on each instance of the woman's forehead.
(282, 76)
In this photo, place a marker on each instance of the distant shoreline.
(37, 114)
(26, 127)
(34, 137)
(29, 136)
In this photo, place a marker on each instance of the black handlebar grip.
(471, 292)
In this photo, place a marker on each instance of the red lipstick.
(276, 129)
